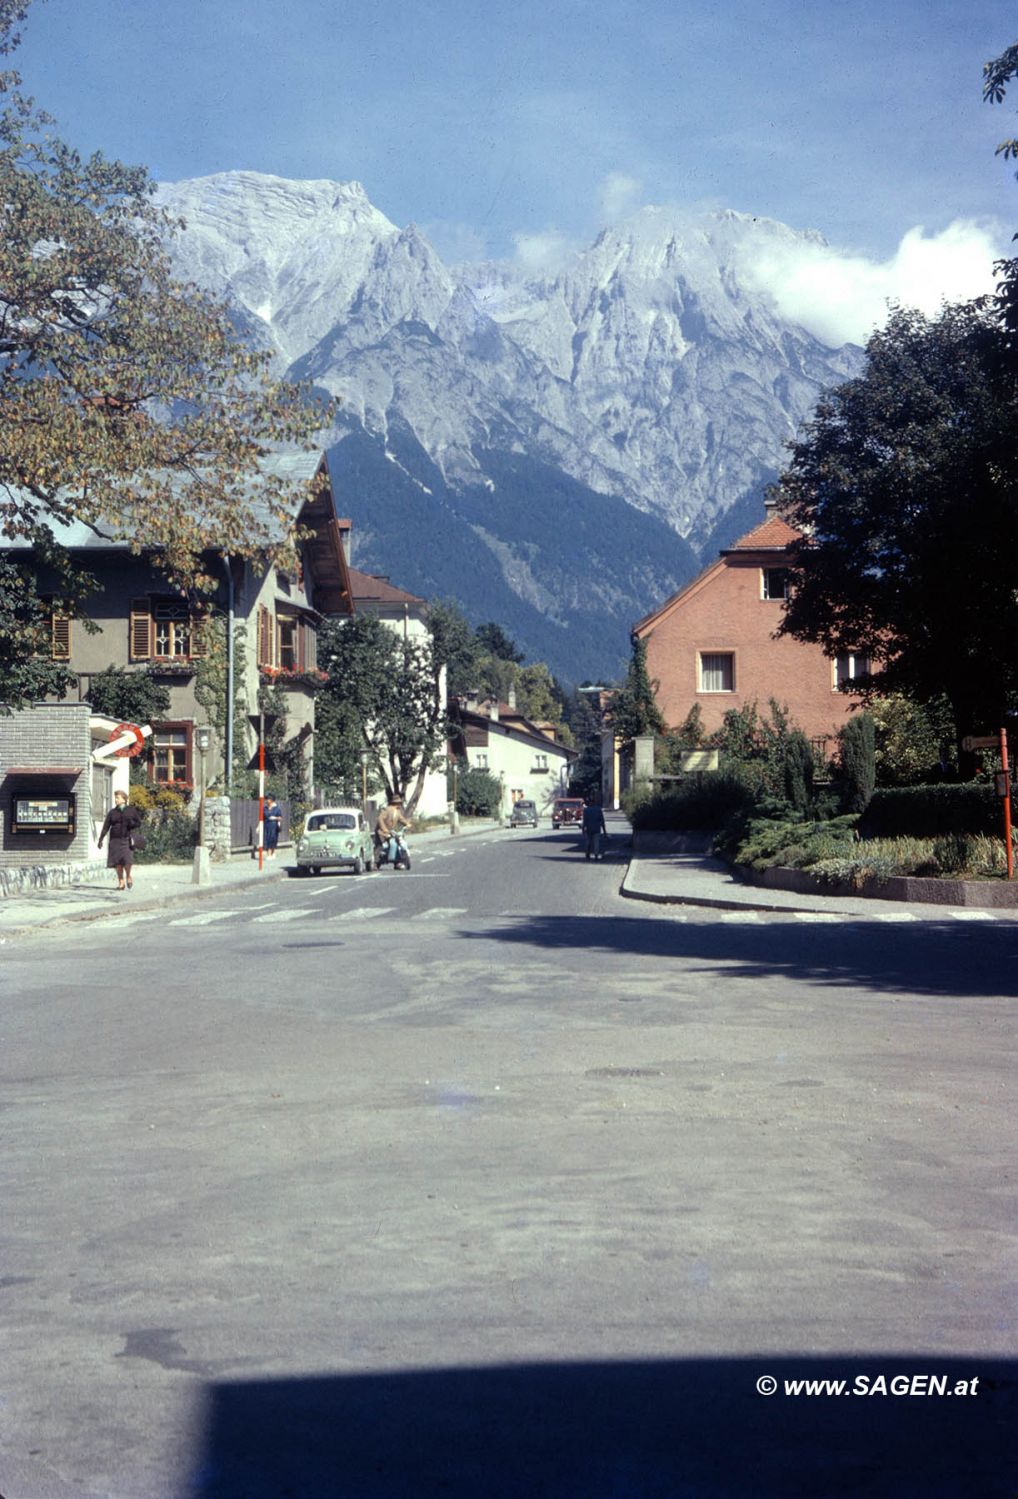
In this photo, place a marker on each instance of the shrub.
(132, 696)
(857, 763)
(478, 794)
(708, 801)
(170, 831)
(798, 769)
(932, 811)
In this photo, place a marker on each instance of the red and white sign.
(132, 737)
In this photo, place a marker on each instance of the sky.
(518, 131)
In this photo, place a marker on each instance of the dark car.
(567, 812)
(523, 815)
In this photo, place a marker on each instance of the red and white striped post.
(261, 790)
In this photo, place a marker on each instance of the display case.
(42, 812)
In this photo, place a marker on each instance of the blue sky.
(498, 128)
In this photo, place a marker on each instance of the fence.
(244, 822)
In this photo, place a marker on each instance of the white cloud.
(542, 252)
(618, 196)
(842, 297)
(456, 243)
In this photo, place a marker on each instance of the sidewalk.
(684, 874)
(160, 885)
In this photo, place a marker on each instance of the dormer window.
(774, 583)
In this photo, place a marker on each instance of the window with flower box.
(171, 754)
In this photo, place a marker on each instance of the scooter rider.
(390, 820)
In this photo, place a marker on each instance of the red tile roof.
(368, 588)
(772, 532)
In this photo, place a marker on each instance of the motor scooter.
(393, 850)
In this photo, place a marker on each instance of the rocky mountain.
(557, 453)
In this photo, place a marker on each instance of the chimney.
(511, 697)
(493, 710)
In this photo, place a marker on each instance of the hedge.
(931, 811)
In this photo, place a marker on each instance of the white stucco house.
(523, 756)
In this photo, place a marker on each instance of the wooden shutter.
(60, 634)
(141, 629)
(265, 632)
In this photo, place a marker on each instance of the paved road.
(483, 1181)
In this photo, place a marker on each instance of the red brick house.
(713, 643)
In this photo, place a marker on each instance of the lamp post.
(201, 873)
(454, 816)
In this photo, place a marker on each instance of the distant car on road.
(335, 838)
(523, 815)
(567, 812)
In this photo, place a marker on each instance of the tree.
(455, 645)
(997, 74)
(131, 696)
(904, 487)
(494, 641)
(857, 762)
(382, 696)
(633, 709)
(127, 400)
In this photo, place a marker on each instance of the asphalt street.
(482, 1181)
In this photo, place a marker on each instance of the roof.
(292, 467)
(772, 534)
(372, 588)
(59, 771)
(512, 725)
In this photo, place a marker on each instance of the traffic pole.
(261, 789)
(1007, 804)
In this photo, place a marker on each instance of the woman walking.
(121, 823)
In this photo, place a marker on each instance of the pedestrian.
(273, 823)
(593, 827)
(122, 823)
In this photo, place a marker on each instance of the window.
(848, 666)
(540, 762)
(163, 629)
(717, 671)
(289, 644)
(481, 760)
(171, 754)
(775, 583)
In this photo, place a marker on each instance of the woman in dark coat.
(121, 821)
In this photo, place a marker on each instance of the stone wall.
(217, 828)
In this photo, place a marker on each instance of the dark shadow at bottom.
(689, 1429)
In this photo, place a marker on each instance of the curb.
(718, 903)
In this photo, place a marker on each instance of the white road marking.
(365, 913)
(816, 916)
(206, 918)
(752, 918)
(894, 916)
(971, 915)
(436, 912)
(283, 915)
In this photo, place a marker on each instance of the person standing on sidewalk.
(273, 823)
(122, 821)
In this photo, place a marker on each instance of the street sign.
(980, 741)
(262, 719)
(270, 761)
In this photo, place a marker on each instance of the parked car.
(335, 838)
(567, 812)
(523, 815)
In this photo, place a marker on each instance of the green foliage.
(27, 672)
(932, 811)
(633, 710)
(857, 763)
(382, 695)
(709, 802)
(478, 794)
(905, 488)
(798, 772)
(132, 696)
(170, 831)
(765, 842)
(493, 641)
(210, 688)
(456, 647)
(914, 741)
(128, 399)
